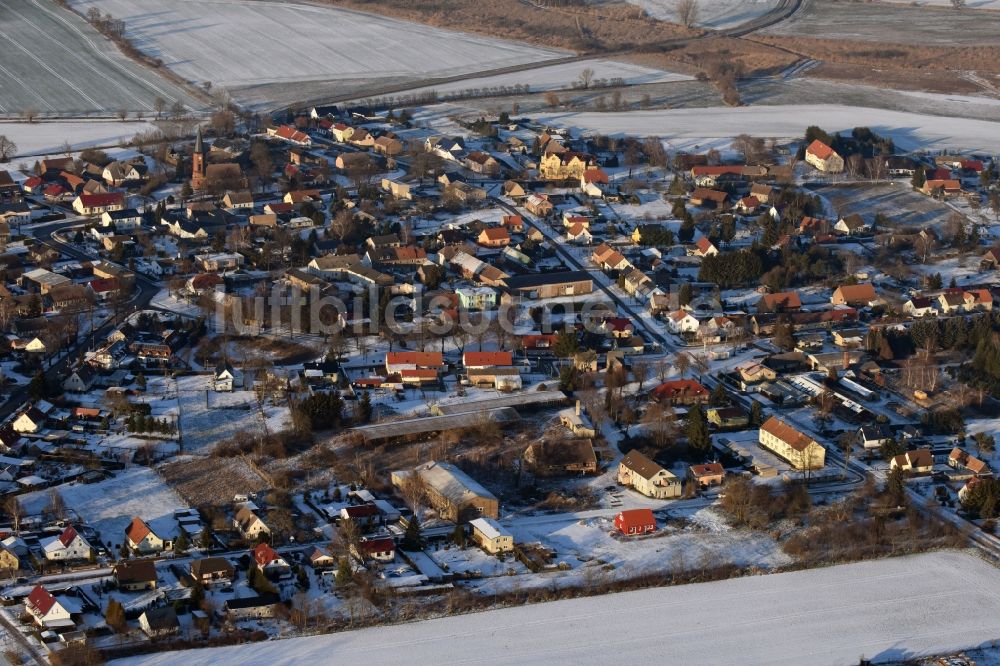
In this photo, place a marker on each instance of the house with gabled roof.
(30, 420)
(249, 524)
(961, 459)
(854, 295)
(140, 537)
(135, 575)
(917, 461)
(703, 247)
(782, 301)
(639, 472)
(679, 392)
(209, 570)
(47, 611)
(824, 158)
(269, 561)
(81, 379)
(794, 446)
(377, 548)
(290, 134)
(68, 545)
(632, 522)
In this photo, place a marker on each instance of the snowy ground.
(49, 137)
(884, 610)
(251, 48)
(910, 131)
(556, 77)
(53, 61)
(204, 423)
(109, 506)
(714, 14)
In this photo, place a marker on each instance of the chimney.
(577, 407)
(847, 359)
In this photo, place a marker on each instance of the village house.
(919, 306)
(159, 622)
(452, 493)
(578, 423)
(564, 166)
(68, 545)
(388, 146)
(225, 378)
(490, 536)
(727, 417)
(9, 559)
(142, 539)
(824, 158)
(681, 322)
(561, 456)
(212, 570)
(269, 561)
(644, 476)
(47, 611)
(135, 575)
(96, 204)
(378, 549)
(706, 475)
(709, 198)
(632, 522)
(679, 392)
(851, 225)
(494, 237)
(249, 524)
(945, 187)
(782, 301)
(482, 163)
(290, 134)
(241, 199)
(855, 295)
(917, 461)
(80, 380)
(539, 205)
(797, 448)
(874, 436)
(704, 248)
(961, 460)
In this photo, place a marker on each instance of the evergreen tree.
(718, 397)
(365, 408)
(344, 573)
(205, 539)
(411, 538)
(686, 233)
(181, 543)
(756, 414)
(458, 536)
(38, 389)
(684, 294)
(919, 178)
(696, 430)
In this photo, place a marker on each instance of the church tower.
(198, 163)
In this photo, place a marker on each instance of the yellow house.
(802, 451)
(646, 477)
(490, 536)
(8, 560)
(563, 166)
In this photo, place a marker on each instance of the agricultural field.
(712, 14)
(208, 417)
(910, 131)
(54, 62)
(898, 202)
(891, 23)
(269, 53)
(883, 609)
(50, 138)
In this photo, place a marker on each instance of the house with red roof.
(363, 515)
(96, 204)
(47, 611)
(269, 561)
(708, 474)
(104, 289)
(680, 392)
(479, 360)
(397, 362)
(494, 237)
(824, 158)
(379, 549)
(635, 521)
(141, 538)
(290, 134)
(69, 545)
(704, 248)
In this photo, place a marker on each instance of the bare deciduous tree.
(29, 114)
(687, 12)
(7, 148)
(586, 77)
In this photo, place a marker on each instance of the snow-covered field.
(243, 45)
(884, 610)
(969, 4)
(910, 131)
(714, 14)
(41, 138)
(208, 417)
(556, 77)
(109, 506)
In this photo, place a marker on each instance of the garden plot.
(264, 52)
(208, 417)
(897, 201)
(109, 506)
(713, 126)
(54, 62)
(886, 610)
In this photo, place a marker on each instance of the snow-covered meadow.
(238, 44)
(910, 131)
(884, 609)
(713, 14)
(50, 137)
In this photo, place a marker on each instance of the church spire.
(198, 145)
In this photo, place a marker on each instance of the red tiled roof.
(67, 536)
(102, 199)
(497, 358)
(377, 545)
(361, 510)
(819, 149)
(786, 433)
(679, 387)
(137, 530)
(41, 600)
(415, 358)
(263, 554)
(639, 519)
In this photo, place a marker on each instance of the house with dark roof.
(159, 622)
(643, 475)
(211, 570)
(135, 575)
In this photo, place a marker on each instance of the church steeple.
(199, 146)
